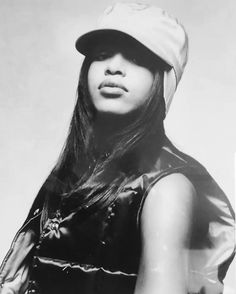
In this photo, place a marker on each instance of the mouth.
(109, 84)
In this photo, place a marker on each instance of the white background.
(39, 69)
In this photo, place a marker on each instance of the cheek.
(95, 76)
(143, 85)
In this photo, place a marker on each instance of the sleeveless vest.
(99, 253)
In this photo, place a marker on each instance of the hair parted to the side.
(87, 178)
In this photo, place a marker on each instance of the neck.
(107, 126)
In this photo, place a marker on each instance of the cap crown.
(153, 27)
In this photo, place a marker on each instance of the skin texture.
(119, 80)
(165, 226)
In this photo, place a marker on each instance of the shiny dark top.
(99, 252)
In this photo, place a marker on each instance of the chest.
(107, 238)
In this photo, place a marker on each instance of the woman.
(124, 211)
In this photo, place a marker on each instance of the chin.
(113, 112)
(109, 107)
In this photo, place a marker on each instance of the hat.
(155, 29)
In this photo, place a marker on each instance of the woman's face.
(120, 77)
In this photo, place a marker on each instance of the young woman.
(124, 211)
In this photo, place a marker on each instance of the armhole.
(182, 170)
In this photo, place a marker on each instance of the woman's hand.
(165, 229)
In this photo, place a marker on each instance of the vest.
(99, 252)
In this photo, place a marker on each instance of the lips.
(111, 84)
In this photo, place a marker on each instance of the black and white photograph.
(118, 148)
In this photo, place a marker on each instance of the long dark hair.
(85, 178)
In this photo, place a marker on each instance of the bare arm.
(165, 229)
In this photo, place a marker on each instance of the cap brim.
(87, 41)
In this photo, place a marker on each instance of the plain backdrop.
(39, 69)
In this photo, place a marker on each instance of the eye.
(141, 59)
(102, 55)
(133, 57)
(134, 60)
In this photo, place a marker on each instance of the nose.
(115, 65)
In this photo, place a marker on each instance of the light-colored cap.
(155, 29)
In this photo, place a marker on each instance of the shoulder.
(173, 184)
(171, 157)
(175, 187)
(168, 207)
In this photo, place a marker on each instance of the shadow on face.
(134, 51)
